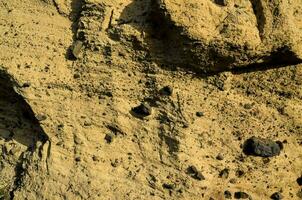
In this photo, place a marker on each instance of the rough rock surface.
(66, 128)
(217, 35)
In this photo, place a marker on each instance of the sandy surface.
(66, 126)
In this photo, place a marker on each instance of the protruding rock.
(261, 147)
(194, 173)
(76, 48)
(166, 91)
(143, 110)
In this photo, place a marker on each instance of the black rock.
(199, 114)
(241, 195)
(142, 110)
(227, 194)
(261, 147)
(224, 173)
(277, 196)
(194, 173)
(167, 91)
(299, 180)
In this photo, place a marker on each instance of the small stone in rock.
(199, 114)
(224, 173)
(168, 186)
(166, 91)
(41, 117)
(241, 195)
(219, 157)
(77, 159)
(239, 173)
(227, 194)
(76, 48)
(143, 110)
(26, 85)
(76, 76)
(194, 173)
(277, 196)
(95, 158)
(109, 138)
(221, 2)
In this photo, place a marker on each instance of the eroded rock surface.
(216, 37)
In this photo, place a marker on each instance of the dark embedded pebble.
(224, 173)
(219, 157)
(25, 85)
(167, 91)
(221, 2)
(227, 194)
(277, 196)
(194, 173)
(109, 137)
(76, 76)
(199, 114)
(241, 195)
(142, 110)
(77, 159)
(168, 186)
(299, 180)
(261, 147)
(239, 173)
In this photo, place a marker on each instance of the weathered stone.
(261, 147)
(76, 48)
(194, 173)
(143, 110)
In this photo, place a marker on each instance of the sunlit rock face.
(219, 35)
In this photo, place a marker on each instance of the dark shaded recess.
(17, 114)
(17, 117)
